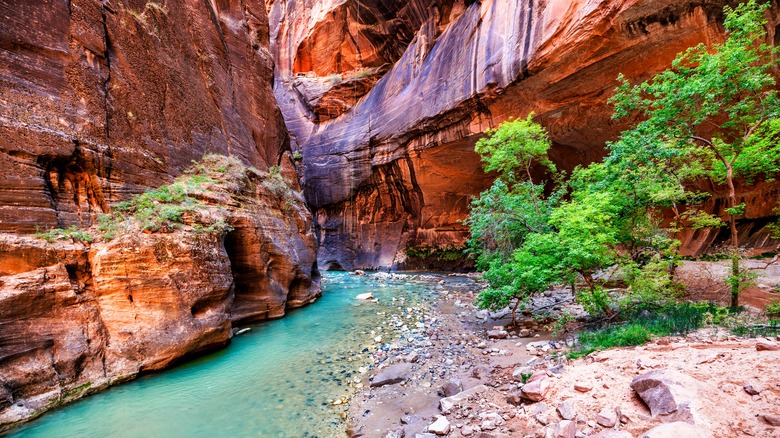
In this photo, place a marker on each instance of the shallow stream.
(278, 380)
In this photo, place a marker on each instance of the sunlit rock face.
(385, 100)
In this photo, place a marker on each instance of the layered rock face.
(78, 317)
(103, 100)
(391, 168)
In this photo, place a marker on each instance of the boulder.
(567, 410)
(676, 429)
(392, 374)
(566, 429)
(772, 419)
(763, 344)
(365, 296)
(607, 418)
(452, 387)
(440, 427)
(537, 387)
(667, 393)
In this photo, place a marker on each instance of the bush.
(642, 326)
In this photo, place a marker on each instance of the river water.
(278, 380)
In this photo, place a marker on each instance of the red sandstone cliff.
(386, 98)
(100, 100)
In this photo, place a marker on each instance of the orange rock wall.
(467, 66)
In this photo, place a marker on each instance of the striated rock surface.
(106, 311)
(103, 100)
(393, 168)
(99, 100)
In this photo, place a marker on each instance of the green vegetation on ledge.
(192, 200)
(438, 253)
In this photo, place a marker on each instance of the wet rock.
(607, 418)
(365, 296)
(452, 387)
(676, 429)
(667, 393)
(440, 427)
(566, 410)
(392, 374)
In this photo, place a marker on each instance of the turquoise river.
(278, 380)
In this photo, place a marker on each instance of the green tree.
(715, 110)
(513, 208)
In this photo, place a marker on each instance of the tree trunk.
(514, 314)
(735, 271)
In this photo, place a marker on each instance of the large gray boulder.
(670, 395)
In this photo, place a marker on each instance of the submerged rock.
(392, 374)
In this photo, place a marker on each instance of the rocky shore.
(458, 372)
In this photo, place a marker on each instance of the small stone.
(754, 388)
(398, 433)
(467, 431)
(607, 418)
(583, 387)
(566, 410)
(440, 427)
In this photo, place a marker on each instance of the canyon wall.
(103, 100)
(385, 99)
